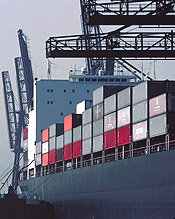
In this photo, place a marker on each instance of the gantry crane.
(18, 119)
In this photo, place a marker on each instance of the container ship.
(102, 151)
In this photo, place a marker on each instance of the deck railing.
(118, 155)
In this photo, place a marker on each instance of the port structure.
(17, 112)
(94, 64)
(128, 45)
(130, 12)
(122, 43)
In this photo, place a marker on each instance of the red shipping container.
(25, 134)
(109, 139)
(45, 135)
(123, 135)
(52, 156)
(45, 159)
(68, 122)
(67, 151)
(77, 149)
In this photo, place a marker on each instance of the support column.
(148, 146)
(116, 153)
(167, 142)
(92, 159)
(131, 150)
(63, 166)
(81, 161)
(123, 152)
(103, 156)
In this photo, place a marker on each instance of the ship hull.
(139, 187)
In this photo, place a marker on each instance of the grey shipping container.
(158, 125)
(103, 92)
(162, 124)
(110, 122)
(123, 117)
(86, 146)
(38, 147)
(150, 89)
(98, 143)
(110, 104)
(140, 131)
(98, 127)
(38, 160)
(59, 154)
(77, 134)
(56, 129)
(140, 112)
(98, 112)
(87, 116)
(52, 143)
(124, 98)
(87, 131)
(59, 142)
(84, 105)
(68, 137)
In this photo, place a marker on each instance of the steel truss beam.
(121, 45)
(22, 90)
(12, 118)
(126, 12)
(27, 66)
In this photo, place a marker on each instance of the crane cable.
(11, 172)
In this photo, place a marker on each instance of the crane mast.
(18, 119)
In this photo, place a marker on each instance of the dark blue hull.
(139, 187)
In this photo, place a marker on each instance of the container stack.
(140, 111)
(38, 154)
(161, 115)
(87, 132)
(77, 144)
(45, 147)
(124, 117)
(70, 122)
(54, 131)
(59, 148)
(25, 148)
(110, 108)
(98, 113)
(82, 106)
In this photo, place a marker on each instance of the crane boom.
(27, 66)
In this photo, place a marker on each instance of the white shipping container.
(82, 106)
(45, 147)
(139, 131)
(157, 105)
(25, 144)
(123, 117)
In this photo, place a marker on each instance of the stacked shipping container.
(70, 122)
(110, 107)
(45, 147)
(124, 116)
(87, 132)
(149, 106)
(54, 131)
(25, 148)
(140, 111)
(161, 115)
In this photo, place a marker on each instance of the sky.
(39, 20)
